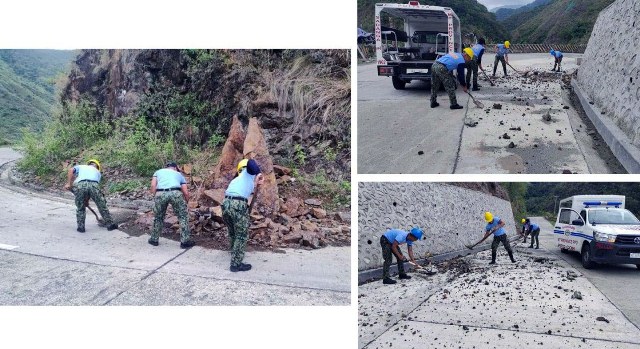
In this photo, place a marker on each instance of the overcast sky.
(496, 3)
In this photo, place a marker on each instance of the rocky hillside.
(506, 12)
(474, 17)
(558, 22)
(207, 109)
(27, 96)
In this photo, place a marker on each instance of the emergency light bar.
(602, 203)
(414, 3)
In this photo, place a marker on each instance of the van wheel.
(638, 266)
(564, 250)
(585, 255)
(398, 83)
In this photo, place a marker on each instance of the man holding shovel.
(441, 74)
(86, 179)
(502, 55)
(390, 243)
(474, 64)
(495, 226)
(235, 211)
(168, 186)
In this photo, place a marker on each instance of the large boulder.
(255, 147)
(225, 170)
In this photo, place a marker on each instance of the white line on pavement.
(7, 247)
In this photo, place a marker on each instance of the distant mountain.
(505, 12)
(559, 21)
(27, 91)
(474, 17)
(495, 9)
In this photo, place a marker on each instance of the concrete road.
(619, 283)
(44, 261)
(399, 133)
(539, 301)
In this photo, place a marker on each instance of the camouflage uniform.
(472, 67)
(440, 75)
(84, 190)
(162, 200)
(535, 236)
(496, 242)
(236, 216)
(387, 254)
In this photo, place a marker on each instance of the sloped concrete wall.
(610, 70)
(450, 217)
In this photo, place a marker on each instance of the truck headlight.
(604, 237)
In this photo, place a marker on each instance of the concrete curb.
(620, 145)
(375, 274)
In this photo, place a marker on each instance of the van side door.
(568, 229)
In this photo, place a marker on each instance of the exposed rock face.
(231, 155)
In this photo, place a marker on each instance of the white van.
(600, 228)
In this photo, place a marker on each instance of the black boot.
(112, 226)
(434, 104)
(404, 277)
(388, 281)
(493, 257)
(511, 256)
(80, 230)
(241, 267)
(456, 106)
(475, 88)
(187, 244)
(153, 242)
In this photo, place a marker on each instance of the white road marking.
(7, 247)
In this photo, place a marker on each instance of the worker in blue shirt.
(390, 243)
(441, 74)
(502, 55)
(557, 55)
(474, 64)
(532, 229)
(168, 186)
(495, 226)
(235, 210)
(86, 179)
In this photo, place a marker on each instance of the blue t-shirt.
(241, 185)
(557, 54)
(531, 226)
(493, 224)
(502, 51)
(454, 61)
(478, 51)
(86, 172)
(168, 179)
(398, 235)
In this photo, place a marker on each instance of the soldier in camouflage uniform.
(169, 186)
(235, 210)
(86, 179)
(441, 73)
(474, 64)
(390, 243)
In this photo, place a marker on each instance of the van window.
(565, 216)
(583, 214)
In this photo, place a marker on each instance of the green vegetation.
(321, 186)
(126, 185)
(27, 92)
(559, 21)
(504, 13)
(474, 17)
(517, 193)
(542, 198)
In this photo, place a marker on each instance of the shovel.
(488, 78)
(523, 74)
(476, 102)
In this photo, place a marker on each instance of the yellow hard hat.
(488, 216)
(95, 162)
(242, 164)
(523, 220)
(507, 44)
(468, 51)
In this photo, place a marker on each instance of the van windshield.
(612, 217)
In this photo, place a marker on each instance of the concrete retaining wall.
(610, 72)
(450, 216)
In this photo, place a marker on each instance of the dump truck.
(599, 228)
(407, 54)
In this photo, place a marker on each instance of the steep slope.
(504, 13)
(560, 21)
(474, 17)
(27, 88)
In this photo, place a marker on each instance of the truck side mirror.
(578, 222)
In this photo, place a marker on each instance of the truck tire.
(564, 250)
(638, 266)
(585, 256)
(398, 83)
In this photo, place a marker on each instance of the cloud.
(496, 3)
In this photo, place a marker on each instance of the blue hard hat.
(552, 52)
(417, 232)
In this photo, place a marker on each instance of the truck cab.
(600, 228)
(407, 54)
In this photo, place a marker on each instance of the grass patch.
(337, 194)
(127, 185)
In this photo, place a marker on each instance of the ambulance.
(600, 228)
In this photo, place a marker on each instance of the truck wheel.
(564, 250)
(398, 84)
(585, 255)
(638, 266)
